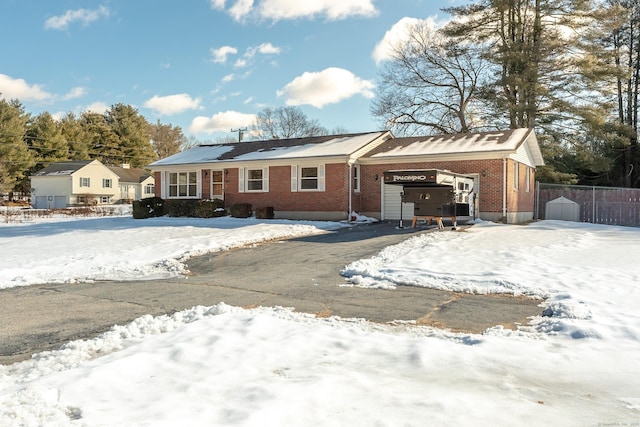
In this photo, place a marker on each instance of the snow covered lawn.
(222, 365)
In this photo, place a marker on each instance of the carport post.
(401, 203)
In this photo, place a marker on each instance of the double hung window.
(183, 184)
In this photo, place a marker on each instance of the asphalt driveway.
(303, 273)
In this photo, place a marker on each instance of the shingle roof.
(62, 168)
(330, 145)
(481, 142)
(130, 174)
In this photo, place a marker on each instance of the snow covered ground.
(226, 366)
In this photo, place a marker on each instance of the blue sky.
(205, 65)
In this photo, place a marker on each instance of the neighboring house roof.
(295, 148)
(62, 168)
(486, 143)
(131, 175)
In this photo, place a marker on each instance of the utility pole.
(241, 132)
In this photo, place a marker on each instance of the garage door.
(391, 203)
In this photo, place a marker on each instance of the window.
(183, 184)
(149, 189)
(516, 177)
(217, 184)
(107, 183)
(105, 199)
(85, 182)
(528, 178)
(356, 178)
(256, 180)
(307, 178)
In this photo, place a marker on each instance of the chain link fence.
(598, 205)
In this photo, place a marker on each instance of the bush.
(265, 212)
(148, 208)
(195, 208)
(209, 209)
(240, 210)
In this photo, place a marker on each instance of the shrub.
(240, 210)
(148, 208)
(209, 209)
(195, 208)
(265, 212)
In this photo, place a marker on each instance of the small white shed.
(562, 209)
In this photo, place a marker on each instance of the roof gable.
(294, 148)
(134, 175)
(498, 143)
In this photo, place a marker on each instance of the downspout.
(349, 180)
(504, 189)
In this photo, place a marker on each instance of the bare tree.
(285, 122)
(430, 82)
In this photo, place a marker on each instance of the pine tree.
(44, 137)
(15, 157)
(133, 134)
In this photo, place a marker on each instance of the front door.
(217, 184)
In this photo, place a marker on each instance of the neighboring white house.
(134, 183)
(83, 182)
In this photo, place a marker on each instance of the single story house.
(133, 183)
(328, 177)
(87, 182)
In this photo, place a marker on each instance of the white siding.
(391, 203)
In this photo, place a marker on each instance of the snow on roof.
(62, 168)
(508, 140)
(197, 154)
(319, 146)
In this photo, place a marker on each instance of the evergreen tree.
(133, 134)
(15, 156)
(101, 141)
(76, 137)
(44, 137)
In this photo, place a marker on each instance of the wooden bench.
(430, 218)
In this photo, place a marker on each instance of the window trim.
(212, 183)
(527, 175)
(243, 180)
(297, 179)
(187, 185)
(516, 175)
(356, 178)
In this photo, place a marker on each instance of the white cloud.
(76, 92)
(11, 88)
(97, 107)
(217, 4)
(172, 104)
(228, 78)
(240, 9)
(328, 86)
(221, 122)
(240, 63)
(277, 10)
(84, 16)
(220, 54)
(264, 48)
(399, 34)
